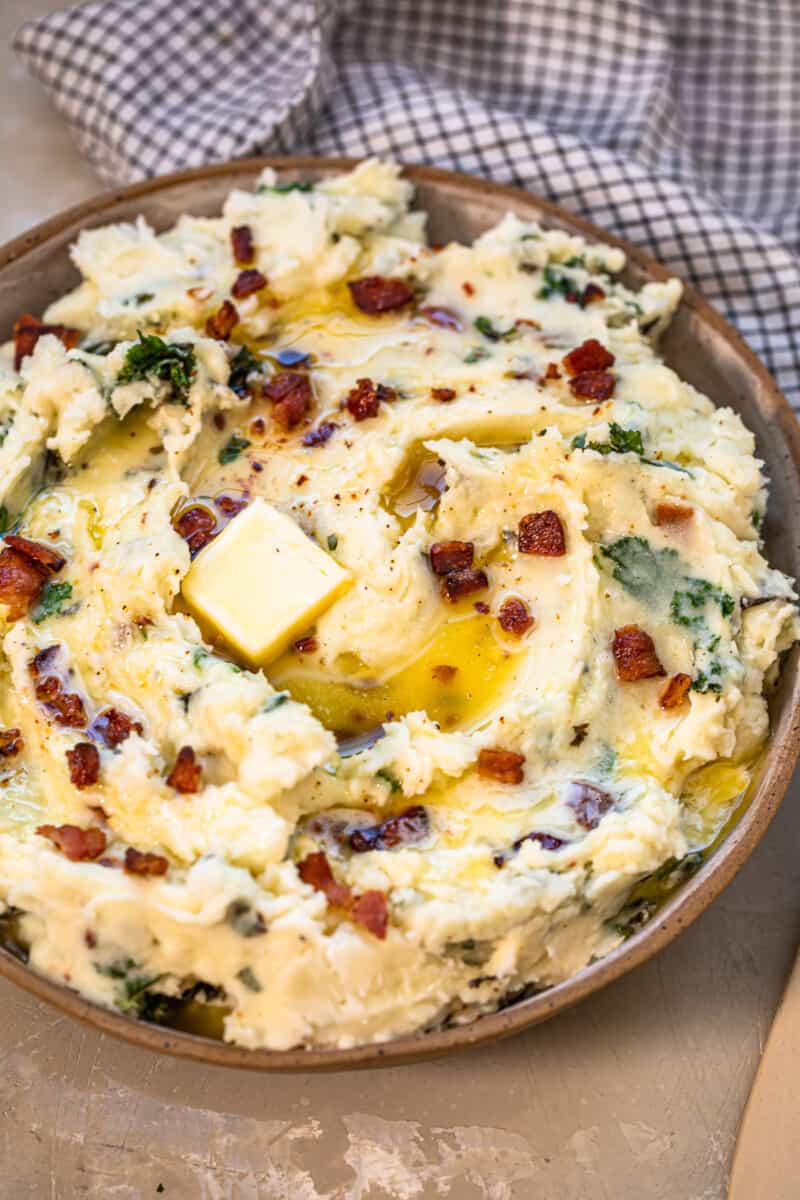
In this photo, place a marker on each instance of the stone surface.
(635, 1095)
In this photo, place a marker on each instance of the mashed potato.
(538, 702)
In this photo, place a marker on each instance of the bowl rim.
(680, 910)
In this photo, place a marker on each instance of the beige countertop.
(635, 1095)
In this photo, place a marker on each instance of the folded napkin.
(674, 123)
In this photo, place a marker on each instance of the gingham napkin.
(675, 123)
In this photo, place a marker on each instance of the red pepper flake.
(593, 385)
(320, 434)
(27, 331)
(503, 765)
(672, 512)
(364, 400)
(591, 355)
(445, 318)
(221, 323)
(676, 691)
(588, 803)
(306, 645)
(139, 863)
(197, 526)
(242, 244)
(591, 294)
(515, 616)
(291, 395)
(443, 395)
(542, 533)
(114, 727)
(406, 828)
(378, 294)
(247, 283)
(463, 582)
(451, 556)
(635, 654)
(468, 289)
(11, 743)
(186, 772)
(79, 845)
(371, 910)
(84, 764)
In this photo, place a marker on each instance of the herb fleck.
(153, 358)
(51, 601)
(249, 978)
(232, 449)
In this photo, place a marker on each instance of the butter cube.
(261, 582)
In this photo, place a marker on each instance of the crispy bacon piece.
(11, 742)
(591, 293)
(451, 556)
(27, 331)
(247, 283)
(316, 871)
(186, 772)
(444, 673)
(551, 372)
(460, 583)
(306, 645)
(591, 355)
(443, 317)
(242, 244)
(139, 863)
(231, 504)
(365, 398)
(84, 765)
(542, 533)
(320, 434)
(66, 707)
(515, 616)
(197, 526)
(406, 828)
(589, 803)
(79, 845)
(672, 512)
(378, 294)
(371, 909)
(635, 654)
(42, 661)
(290, 393)
(593, 385)
(49, 560)
(443, 395)
(21, 581)
(503, 765)
(676, 691)
(114, 727)
(221, 323)
(548, 841)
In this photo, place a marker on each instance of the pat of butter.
(262, 582)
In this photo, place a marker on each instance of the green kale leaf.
(232, 449)
(153, 358)
(51, 601)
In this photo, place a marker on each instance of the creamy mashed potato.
(536, 704)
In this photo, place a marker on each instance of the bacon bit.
(593, 385)
(79, 845)
(481, 607)
(672, 512)
(444, 317)
(90, 939)
(21, 582)
(11, 742)
(67, 706)
(221, 323)
(219, 421)
(247, 283)
(372, 911)
(27, 331)
(364, 400)
(588, 803)
(43, 556)
(84, 765)
(514, 616)
(290, 393)
(306, 645)
(378, 294)
(197, 526)
(591, 293)
(43, 660)
(635, 654)
(542, 533)
(451, 556)
(591, 355)
(443, 395)
(552, 372)
(258, 425)
(460, 583)
(315, 870)
(321, 434)
(230, 505)
(139, 863)
(406, 828)
(503, 765)
(114, 727)
(468, 289)
(185, 774)
(242, 244)
(548, 841)
(675, 692)
(444, 673)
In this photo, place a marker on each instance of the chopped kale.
(639, 568)
(51, 601)
(688, 606)
(633, 917)
(199, 655)
(392, 780)
(249, 978)
(100, 348)
(476, 354)
(153, 358)
(275, 701)
(132, 995)
(232, 449)
(333, 541)
(244, 919)
(3, 518)
(282, 188)
(243, 366)
(555, 284)
(620, 441)
(485, 326)
(710, 680)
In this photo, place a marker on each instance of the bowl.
(35, 269)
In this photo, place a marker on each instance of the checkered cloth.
(675, 123)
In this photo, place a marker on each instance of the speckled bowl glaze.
(35, 269)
